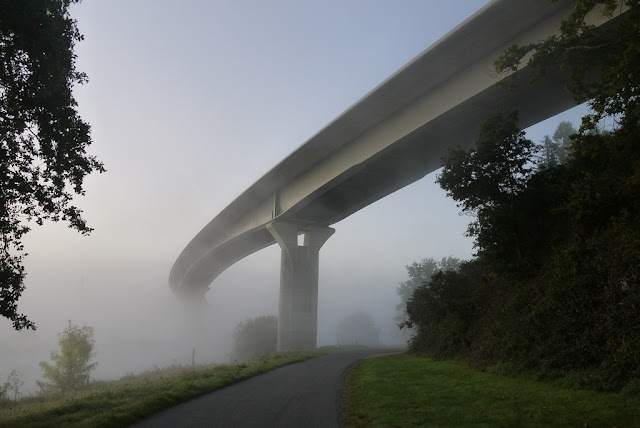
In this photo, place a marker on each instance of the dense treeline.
(569, 298)
(555, 285)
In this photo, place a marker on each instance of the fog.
(190, 105)
(139, 323)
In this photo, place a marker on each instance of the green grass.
(130, 399)
(406, 391)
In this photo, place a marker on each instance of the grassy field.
(121, 402)
(406, 391)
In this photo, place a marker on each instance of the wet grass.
(134, 397)
(407, 391)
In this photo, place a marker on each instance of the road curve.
(305, 394)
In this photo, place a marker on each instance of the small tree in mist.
(255, 337)
(70, 368)
(13, 385)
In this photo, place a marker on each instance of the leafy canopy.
(420, 273)
(492, 172)
(486, 180)
(71, 368)
(603, 62)
(43, 140)
(571, 309)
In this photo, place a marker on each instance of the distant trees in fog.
(358, 328)
(11, 385)
(555, 149)
(420, 273)
(70, 367)
(255, 337)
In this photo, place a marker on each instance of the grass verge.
(406, 390)
(130, 399)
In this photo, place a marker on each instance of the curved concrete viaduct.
(392, 137)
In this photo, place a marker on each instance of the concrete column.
(298, 312)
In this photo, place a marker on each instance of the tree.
(358, 328)
(442, 311)
(603, 62)
(574, 309)
(420, 273)
(486, 180)
(255, 337)
(43, 140)
(562, 138)
(555, 149)
(13, 384)
(71, 368)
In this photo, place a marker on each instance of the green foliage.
(43, 140)
(255, 337)
(603, 62)
(443, 312)
(574, 310)
(486, 181)
(494, 171)
(71, 368)
(358, 328)
(555, 287)
(420, 273)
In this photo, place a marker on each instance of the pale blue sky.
(190, 103)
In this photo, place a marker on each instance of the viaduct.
(393, 136)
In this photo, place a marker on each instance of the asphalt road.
(305, 394)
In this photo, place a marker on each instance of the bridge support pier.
(298, 312)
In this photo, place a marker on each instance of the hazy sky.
(191, 102)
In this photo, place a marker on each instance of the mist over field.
(140, 323)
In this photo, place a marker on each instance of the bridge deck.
(392, 137)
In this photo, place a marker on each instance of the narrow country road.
(305, 394)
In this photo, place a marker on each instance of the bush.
(71, 368)
(255, 337)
